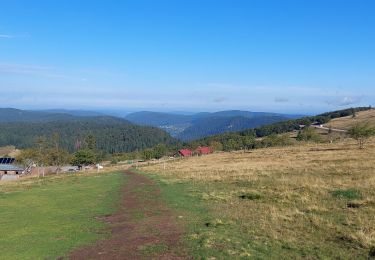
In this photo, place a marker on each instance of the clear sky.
(301, 56)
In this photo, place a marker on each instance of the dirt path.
(143, 228)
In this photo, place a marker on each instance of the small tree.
(361, 132)
(147, 154)
(58, 157)
(84, 157)
(308, 134)
(160, 150)
(233, 144)
(248, 141)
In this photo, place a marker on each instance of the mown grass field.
(48, 217)
(303, 201)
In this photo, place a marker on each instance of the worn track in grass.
(143, 227)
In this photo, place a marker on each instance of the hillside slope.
(190, 127)
(17, 115)
(216, 125)
(112, 134)
(157, 118)
(350, 121)
(279, 127)
(8, 115)
(301, 201)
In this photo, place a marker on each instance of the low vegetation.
(361, 133)
(47, 218)
(305, 200)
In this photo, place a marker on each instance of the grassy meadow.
(303, 201)
(45, 218)
(348, 121)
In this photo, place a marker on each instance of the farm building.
(7, 168)
(9, 172)
(185, 152)
(203, 150)
(10, 169)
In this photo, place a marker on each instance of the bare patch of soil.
(143, 228)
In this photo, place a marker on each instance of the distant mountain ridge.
(190, 127)
(8, 115)
(181, 126)
(74, 112)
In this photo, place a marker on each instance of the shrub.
(361, 132)
(308, 134)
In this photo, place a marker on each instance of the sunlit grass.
(45, 218)
(306, 200)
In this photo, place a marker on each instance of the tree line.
(113, 135)
(240, 139)
(48, 150)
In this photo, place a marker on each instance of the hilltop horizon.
(126, 111)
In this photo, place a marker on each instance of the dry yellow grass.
(348, 121)
(315, 197)
(9, 151)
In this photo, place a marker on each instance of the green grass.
(206, 235)
(347, 194)
(47, 218)
(213, 233)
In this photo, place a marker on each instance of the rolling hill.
(216, 125)
(113, 135)
(190, 127)
(350, 121)
(8, 115)
(334, 117)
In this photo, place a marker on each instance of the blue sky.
(301, 56)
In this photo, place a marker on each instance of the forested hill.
(112, 134)
(237, 138)
(158, 118)
(222, 124)
(194, 126)
(17, 115)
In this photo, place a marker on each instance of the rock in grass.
(354, 204)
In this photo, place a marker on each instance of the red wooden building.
(203, 150)
(185, 152)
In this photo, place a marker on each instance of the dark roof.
(6, 160)
(10, 167)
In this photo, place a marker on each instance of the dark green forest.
(271, 135)
(200, 125)
(216, 125)
(119, 137)
(113, 135)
